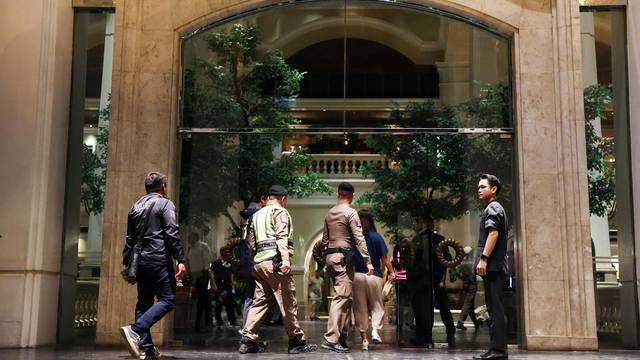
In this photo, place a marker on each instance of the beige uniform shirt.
(342, 227)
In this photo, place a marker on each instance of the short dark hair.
(260, 193)
(493, 181)
(345, 189)
(154, 180)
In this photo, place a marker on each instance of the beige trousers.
(270, 284)
(367, 299)
(340, 310)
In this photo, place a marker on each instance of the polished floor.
(222, 344)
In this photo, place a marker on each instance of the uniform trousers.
(494, 297)
(270, 285)
(339, 313)
(367, 299)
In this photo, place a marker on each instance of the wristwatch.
(484, 257)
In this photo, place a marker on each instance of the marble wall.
(35, 81)
(556, 287)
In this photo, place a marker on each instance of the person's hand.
(369, 269)
(285, 268)
(181, 271)
(391, 275)
(481, 269)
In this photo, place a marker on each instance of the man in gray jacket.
(152, 221)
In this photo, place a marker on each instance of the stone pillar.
(633, 53)
(142, 138)
(35, 80)
(558, 308)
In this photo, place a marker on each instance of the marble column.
(35, 83)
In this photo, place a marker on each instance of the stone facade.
(554, 251)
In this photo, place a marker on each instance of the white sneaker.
(365, 345)
(375, 337)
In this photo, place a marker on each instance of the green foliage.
(435, 176)
(239, 89)
(428, 180)
(601, 173)
(94, 167)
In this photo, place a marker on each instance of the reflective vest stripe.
(265, 233)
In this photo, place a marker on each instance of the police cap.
(345, 187)
(277, 190)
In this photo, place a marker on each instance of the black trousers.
(494, 297)
(203, 308)
(442, 301)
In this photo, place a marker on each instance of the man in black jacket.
(152, 221)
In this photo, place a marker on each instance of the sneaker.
(298, 345)
(153, 354)
(365, 345)
(460, 326)
(132, 340)
(375, 337)
(335, 347)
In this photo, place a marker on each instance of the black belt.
(270, 245)
(341, 250)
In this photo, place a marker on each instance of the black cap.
(345, 187)
(278, 190)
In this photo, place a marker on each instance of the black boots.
(248, 346)
(298, 345)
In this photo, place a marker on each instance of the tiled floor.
(223, 343)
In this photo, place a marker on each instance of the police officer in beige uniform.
(342, 235)
(269, 240)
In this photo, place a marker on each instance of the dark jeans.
(153, 282)
(225, 298)
(494, 296)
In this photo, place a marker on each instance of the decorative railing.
(344, 165)
(86, 309)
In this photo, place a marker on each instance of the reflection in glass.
(608, 164)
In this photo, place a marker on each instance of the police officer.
(269, 240)
(342, 235)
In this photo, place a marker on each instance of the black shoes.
(451, 341)
(298, 345)
(420, 343)
(460, 326)
(248, 346)
(492, 354)
(335, 347)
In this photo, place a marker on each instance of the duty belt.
(341, 250)
(270, 244)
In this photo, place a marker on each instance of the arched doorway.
(384, 85)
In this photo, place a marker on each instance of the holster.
(277, 262)
(349, 254)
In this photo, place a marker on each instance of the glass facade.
(608, 162)
(409, 104)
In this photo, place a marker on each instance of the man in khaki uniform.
(342, 236)
(269, 240)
